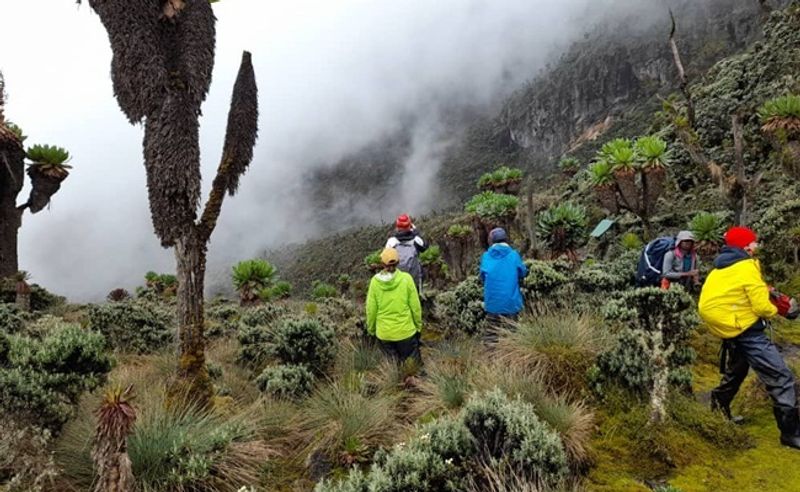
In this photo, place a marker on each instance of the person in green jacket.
(394, 313)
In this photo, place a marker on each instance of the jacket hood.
(405, 235)
(499, 250)
(388, 281)
(730, 256)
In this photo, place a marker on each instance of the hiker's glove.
(794, 310)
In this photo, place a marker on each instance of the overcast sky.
(332, 76)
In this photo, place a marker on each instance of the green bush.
(133, 326)
(461, 309)
(447, 454)
(305, 341)
(492, 206)
(41, 298)
(431, 255)
(289, 381)
(43, 378)
(254, 345)
(563, 227)
(322, 290)
(657, 325)
(264, 315)
(599, 278)
(251, 277)
(778, 245)
(10, 318)
(221, 319)
(542, 279)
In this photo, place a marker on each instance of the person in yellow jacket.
(735, 304)
(394, 313)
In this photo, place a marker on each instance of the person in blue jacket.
(501, 272)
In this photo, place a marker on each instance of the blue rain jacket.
(501, 271)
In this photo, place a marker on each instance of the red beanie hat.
(740, 237)
(403, 222)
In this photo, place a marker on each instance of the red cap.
(403, 222)
(740, 237)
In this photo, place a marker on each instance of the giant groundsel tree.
(47, 169)
(163, 56)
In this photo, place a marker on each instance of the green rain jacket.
(393, 309)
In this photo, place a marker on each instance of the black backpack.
(648, 271)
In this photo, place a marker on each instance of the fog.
(333, 77)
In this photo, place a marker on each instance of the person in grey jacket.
(681, 265)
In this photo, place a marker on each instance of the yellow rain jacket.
(734, 295)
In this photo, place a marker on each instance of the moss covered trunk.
(193, 380)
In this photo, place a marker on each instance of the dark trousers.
(495, 325)
(754, 349)
(402, 350)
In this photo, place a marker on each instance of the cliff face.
(604, 76)
(606, 83)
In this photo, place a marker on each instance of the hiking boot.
(789, 423)
(716, 406)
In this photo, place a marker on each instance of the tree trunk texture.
(12, 175)
(193, 380)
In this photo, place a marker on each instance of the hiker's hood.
(730, 256)
(405, 235)
(499, 251)
(388, 280)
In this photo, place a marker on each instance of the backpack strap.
(647, 259)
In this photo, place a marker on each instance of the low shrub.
(631, 241)
(323, 290)
(461, 309)
(41, 298)
(304, 341)
(254, 345)
(221, 319)
(446, 454)
(281, 290)
(652, 349)
(540, 285)
(264, 315)
(43, 378)
(287, 381)
(26, 463)
(10, 318)
(346, 423)
(133, 326)
(564, 345)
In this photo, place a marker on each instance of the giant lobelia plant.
(163, 56)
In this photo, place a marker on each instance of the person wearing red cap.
(735, 303)
(409, 244)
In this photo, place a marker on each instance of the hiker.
(681, 264)
(394, 313)
(501, 272)
(409, 244)
(736, 304)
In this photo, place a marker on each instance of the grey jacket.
(673, 266)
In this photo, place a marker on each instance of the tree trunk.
(684, 81)
(12, 167)
(10, 221)
(192, 378)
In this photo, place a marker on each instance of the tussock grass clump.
(571, 418)
(563, 345)
(451, 370)
(347, 423)
(180, 447)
